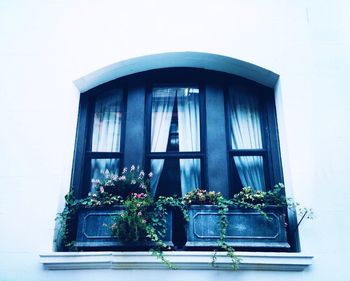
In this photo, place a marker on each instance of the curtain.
(189, 138)
(162, 110)
(106, 133)
(245, 133)
(107, 123)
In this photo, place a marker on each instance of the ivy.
(144, 218)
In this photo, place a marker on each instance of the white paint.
(46, 45)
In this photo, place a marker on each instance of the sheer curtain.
(189, 138)
(245, 133)
(162, 109)
(107, 124)
(106, 134)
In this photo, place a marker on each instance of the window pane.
(106, 133)
(175, 124)
(99, 167)
(244, 121)
(175, 176)
(250, 170)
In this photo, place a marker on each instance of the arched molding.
(177, 59)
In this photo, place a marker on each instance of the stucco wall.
(46, 45)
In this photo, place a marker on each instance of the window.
(250, 136)
(174, 135)
(190, 127)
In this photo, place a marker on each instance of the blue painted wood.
(247, 228)
(93, 230)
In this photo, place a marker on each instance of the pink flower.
(144, 221)
(139, 214)
(102, 189)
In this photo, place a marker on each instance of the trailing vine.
(144, 218)
(223, 208)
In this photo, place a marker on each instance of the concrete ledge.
(181, 259)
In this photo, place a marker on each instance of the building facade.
(56, 54)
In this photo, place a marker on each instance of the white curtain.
(162, 110)
(107, 123)
(106, 134)
(245, 133)
(189, 137)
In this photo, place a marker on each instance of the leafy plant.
(144, 218)
(201, 197)
(131, 226)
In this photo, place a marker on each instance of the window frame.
(83, 154)
(200, 78)
(270, 152)
(202, 154)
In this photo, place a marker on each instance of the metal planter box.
(93, 230)
(247, 228)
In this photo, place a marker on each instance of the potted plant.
(251, 219)
(120, 214)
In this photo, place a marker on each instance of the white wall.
(46, 45)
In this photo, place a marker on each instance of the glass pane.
(175, 176)
(106, 134)
(99, 167)
(175, 124)
(244, 121)
(251, 171)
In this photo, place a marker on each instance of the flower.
(129, 181)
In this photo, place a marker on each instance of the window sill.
(183, 260)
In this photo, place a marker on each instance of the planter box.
(93, 230)
(247, 228)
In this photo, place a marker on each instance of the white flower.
(132, 168)
(150, 174)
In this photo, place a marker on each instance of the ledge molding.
(186, 260)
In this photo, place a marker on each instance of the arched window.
(192, 127)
